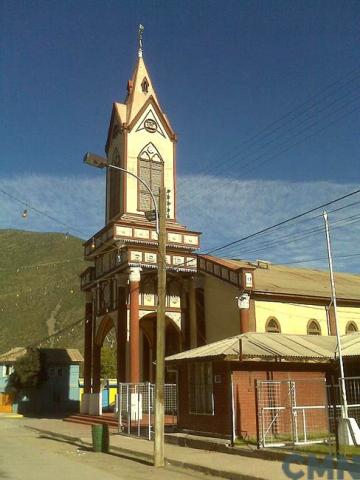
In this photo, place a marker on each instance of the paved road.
(24, 454)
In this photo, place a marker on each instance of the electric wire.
(40, 212)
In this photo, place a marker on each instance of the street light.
(100, 162)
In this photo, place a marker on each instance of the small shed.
(57, 393)
(253, 385)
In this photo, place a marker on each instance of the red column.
(244, 320)
(88, 344)
(134, 326)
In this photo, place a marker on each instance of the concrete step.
(92, 419)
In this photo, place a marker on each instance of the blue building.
(57, 393)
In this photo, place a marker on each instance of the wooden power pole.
(159, 460)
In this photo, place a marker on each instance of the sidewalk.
(217, 464)
(214, 463)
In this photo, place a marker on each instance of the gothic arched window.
(150, 170)
(313, 328)
(351, 327)
(272, 326)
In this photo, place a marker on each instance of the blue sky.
(261, 93)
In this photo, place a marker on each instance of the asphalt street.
(28, 455)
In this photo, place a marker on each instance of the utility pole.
(159, 460)
(344, 407)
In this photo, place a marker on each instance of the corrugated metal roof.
(296, 281)
(62, 355)
(12, 355)
(52, 355)
(350, 345)
(270, 346)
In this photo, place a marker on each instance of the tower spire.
(140, 37)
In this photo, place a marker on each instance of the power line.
(60, 262)
(40, 212)
(300, 110)
(312, 100)
(283, 222)
(303, 220)
(288, 145)
(320, 258)
(299, 236)
(64, 329)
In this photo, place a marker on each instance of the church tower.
(120, 285)
(141, 140)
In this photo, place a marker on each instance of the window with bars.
(201, 398)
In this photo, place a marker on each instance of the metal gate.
(135, 406)
(292, 412)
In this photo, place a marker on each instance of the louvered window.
(151, 173)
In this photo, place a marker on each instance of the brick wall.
(309, 391)
(308, 385)
(218, 424)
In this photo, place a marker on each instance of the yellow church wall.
(221, 311)
(348, 314)
(136, 142)
(293, 318)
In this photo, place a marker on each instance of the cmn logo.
(310, 467)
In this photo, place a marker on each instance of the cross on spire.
(140, 37)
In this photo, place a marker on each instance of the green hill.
(40, 289)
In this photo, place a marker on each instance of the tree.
(108, 362)
(27, 370)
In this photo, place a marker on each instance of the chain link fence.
(292, 412)
(136, 408)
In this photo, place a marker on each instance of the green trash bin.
(100, 438)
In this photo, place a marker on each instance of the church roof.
(273, 346)
(282, 279)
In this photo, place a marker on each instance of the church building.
(121, 283)
(208, 299)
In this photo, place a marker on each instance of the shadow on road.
(82, 446)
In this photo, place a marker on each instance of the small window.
(272, 326)
(51, 372)
(8, 370)
(145, 85)
(201, 400)
(313, 328)
(60, 372)
(351, 327)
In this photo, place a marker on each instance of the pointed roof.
(140, 88)
(141, 94)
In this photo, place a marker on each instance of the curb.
(131, 454)
(10, 415)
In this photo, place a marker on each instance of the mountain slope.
(39, 288)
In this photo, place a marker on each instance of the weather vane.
(140, 35)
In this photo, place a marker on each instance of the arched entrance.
(173, 342)
(106, 371)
